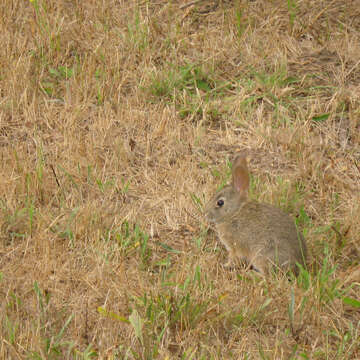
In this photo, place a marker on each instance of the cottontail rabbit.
(254, 233)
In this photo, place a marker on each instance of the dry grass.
(117, 119)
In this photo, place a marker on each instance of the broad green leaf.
(352, 302)
(137, 324)
(112, 315)
(321, 117)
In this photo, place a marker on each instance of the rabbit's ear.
(240, 175)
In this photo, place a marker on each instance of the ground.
(118, 120)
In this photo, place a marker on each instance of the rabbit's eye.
(220, 202)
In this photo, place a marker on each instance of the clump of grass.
(191, 89)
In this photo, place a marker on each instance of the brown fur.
(258, 234)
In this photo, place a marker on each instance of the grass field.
(118, 120)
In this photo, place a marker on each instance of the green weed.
(53, 343)
(175, 308)
(241, 23)
(130, 240)
(138, 32)
(189, 78)
(325, 286)
(292, 9)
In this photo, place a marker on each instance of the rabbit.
(257, 234)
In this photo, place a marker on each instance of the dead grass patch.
(118, 119)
